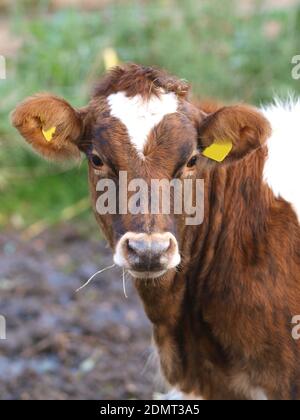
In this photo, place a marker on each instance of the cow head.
(139, 122)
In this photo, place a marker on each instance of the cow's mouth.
(144, 275)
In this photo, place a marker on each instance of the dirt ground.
(63, 345)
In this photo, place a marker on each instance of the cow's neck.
(236, 204)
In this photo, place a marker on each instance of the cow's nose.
(147, 255)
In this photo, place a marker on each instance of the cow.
(220, 295)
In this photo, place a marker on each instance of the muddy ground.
(63, 345)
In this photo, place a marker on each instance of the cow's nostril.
(129, 245)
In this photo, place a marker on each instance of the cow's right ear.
(50, 125)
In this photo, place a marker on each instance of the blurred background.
(95, 345)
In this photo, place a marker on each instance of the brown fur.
(222, 324)
(140, 80)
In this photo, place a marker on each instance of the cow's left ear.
(50, 125)
(233, 132)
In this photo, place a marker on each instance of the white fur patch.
(174, 395)
(241, 384)
(282, 168)
(140, 116)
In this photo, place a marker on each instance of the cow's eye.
(192, 162)
(97, 162)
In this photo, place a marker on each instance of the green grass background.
(224, 53)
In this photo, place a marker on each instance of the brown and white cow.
(221, 296)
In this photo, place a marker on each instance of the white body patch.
(282, 168)
(241, 384)
(140, 116)
(174, 395)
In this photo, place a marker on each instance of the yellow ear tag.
(219, 150)
(110, 58)
(48, 134)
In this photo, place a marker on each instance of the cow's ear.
(50, 125)
(232, 132)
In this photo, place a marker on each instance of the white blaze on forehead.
(140, 115)
(282, 168)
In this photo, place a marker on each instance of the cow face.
(124, 141)
(139, 124)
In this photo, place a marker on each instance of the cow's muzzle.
(147, 256)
